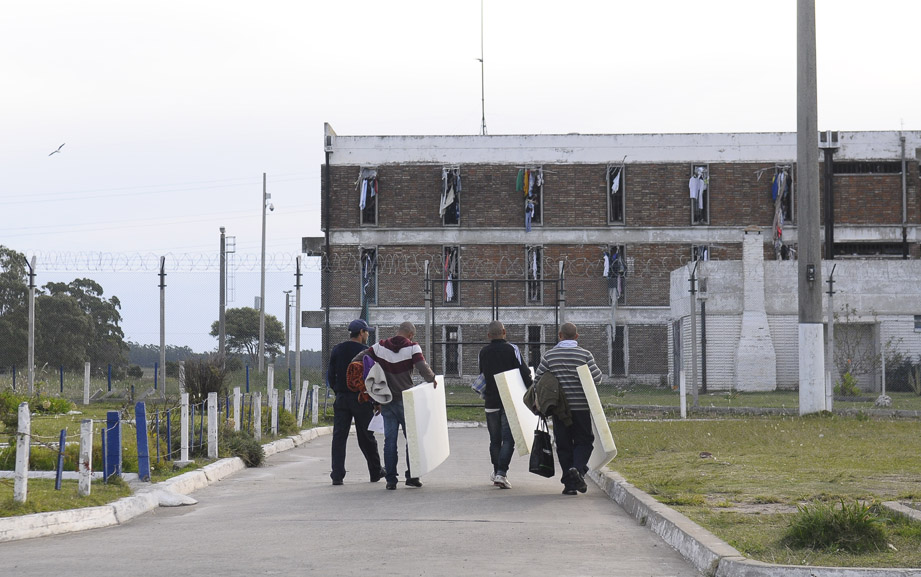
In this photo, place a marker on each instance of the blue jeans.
(501, 442)
(393, 419)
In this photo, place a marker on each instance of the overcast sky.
(171, 111)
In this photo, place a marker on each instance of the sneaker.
(378, 476)
(337, 481)
(391, 486)
(577, 480)
(492, 477)
(413, 482)
(502, 482)
(569, 491)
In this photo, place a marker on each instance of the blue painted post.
(247, 378)
(132, 391)
(192, 420)
(156, 374)
(140, 420)
(62, 379)
(110, 378)
(102, 433)
(157, 434)
(201, 426)
(14, 378)
(113, 466)
(226, 408)
(169, 437)
(60, 471)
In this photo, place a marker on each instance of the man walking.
(497, 357)
(347, 408)
(398, 356)
(574, 443)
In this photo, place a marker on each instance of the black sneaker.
(375, 477)
(569, 491)
(413, 482)
(391, 486)
(578, 481)
(337, 481)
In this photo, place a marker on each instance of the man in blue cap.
(347, 407)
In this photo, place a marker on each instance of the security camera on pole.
(265, 204)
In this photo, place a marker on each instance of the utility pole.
(222, 327)
(265, 204)
(297, 326)
(811, 361)
(693, 291)
(163, 325)
(31, 266)
(830, 353)
(287, 329)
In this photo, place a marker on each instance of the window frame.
(536, 282)
(457, 200)
(455, 344)
(532, 345)
(539, 205)
(362, 212)
(621, 250)
(622, 188)
(791, 208)
(697, 248)
(455, 248)
(706, 209)
(365, 250)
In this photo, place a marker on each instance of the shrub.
(241, 444)
(854, 528)
(287, 422)
(135, 372)
(205, 375)
(847, 386)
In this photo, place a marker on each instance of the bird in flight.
(58, 150)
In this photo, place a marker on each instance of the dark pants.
(501, 442)
(574, 443)
(346, 408)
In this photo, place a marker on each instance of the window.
(615, 194)
(699, 186)
(367, 202)
(618, 352)
(700, 252)
(534, 341)
(782, 195)
(615, 271)
(452, 350)
(450, 274)
(530, 183)
(868, 167)
(368, 277)
(534, 274)
(866, 249)
(918, 323)
(449, 208)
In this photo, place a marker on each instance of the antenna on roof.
(482, 74)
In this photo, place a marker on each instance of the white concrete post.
(237, 401)
(269, 381)
(181, 377)
(212, 425)
(315, 404)
(682, 395)
(288, 406)
(23, 439)
(85, 463)
(184, 427)
(257, 415)
(302, 404)
(273, 399)
(86, 383)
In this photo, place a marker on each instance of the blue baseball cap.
(359, 325)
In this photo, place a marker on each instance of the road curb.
(144, 501)
(705, 551)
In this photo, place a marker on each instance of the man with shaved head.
(574, 443)
(398, 356)
(497, 357)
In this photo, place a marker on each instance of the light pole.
(31, 266)
(222, 327)
(287, 328)
(265, 204)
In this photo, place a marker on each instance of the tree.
(242, 328)
(106, 341)
(62, 331)
(14, 308)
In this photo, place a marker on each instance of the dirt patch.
(760, 508)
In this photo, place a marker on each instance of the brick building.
(453, 231)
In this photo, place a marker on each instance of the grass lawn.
(743, 478)
(42, 497)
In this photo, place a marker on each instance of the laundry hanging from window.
(530, 182)
(781, 195)
(449, 207)
(367, 200)
(615, 269)
(698, 186)
(368, 274)
(450, 275)
(616, 202)
(534, 265)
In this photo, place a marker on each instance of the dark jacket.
(546, 398)
(339, 359)
(497, 357)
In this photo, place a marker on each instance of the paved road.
(286, 518)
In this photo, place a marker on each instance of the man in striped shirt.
(574, 443)
(398, 356)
